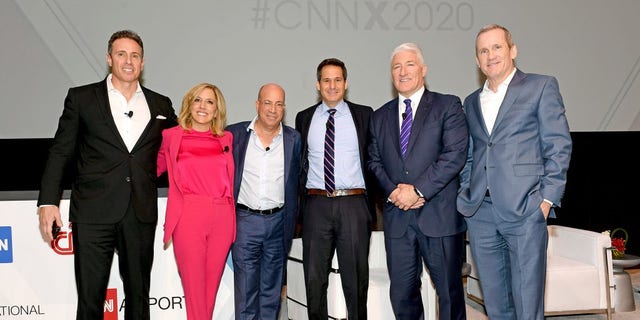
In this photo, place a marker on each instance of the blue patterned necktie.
(405, 129)
(329, 180)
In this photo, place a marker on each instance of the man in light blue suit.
(267, 165)
(514, 176)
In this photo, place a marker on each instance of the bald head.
(270, 106)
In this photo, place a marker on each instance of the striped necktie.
(405, 129)
(329, 152)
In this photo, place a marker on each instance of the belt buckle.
(332, 194)
(340, 193)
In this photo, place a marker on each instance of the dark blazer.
(436, 153)
(361, 115)
(292, 151)
(107, 176)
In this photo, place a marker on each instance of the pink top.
(203, 166)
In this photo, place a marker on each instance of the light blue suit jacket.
(526, 157)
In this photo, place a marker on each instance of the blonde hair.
(219, 122)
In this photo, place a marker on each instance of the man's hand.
(48, 215)
(546, 209)
(405, 197)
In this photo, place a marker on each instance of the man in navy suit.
(267, 166)
(111, 131)
(418, 147)
(337, 208)
(516, 174)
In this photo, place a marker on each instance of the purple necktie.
(329, 180)
(405, 129)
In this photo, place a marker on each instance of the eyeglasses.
(269, 103)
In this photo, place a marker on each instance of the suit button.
(490, 144)
(131, 156)
(406, 173)
(127, 179)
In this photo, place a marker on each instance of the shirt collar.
(341, 107)
(415, 97)
(501, 86)
(251, 126)
(111, 88)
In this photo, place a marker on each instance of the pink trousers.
(201, 242)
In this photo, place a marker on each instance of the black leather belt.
(267, 212)
(336, 193)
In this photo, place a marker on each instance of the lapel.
(475, 110)
(153, 112)
(393, 126)
(240, 151)
(513, 91)
(287, 139)
(174, 147)
(304, 133)
(102, 98)
(358, 121)
(306, 122)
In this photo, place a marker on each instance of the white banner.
(37, 279)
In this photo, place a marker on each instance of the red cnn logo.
(63, 244)
(111, 305)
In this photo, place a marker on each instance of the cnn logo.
(63, 243)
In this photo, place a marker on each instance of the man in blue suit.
(515, 175)
(418, 146)
(267, 165)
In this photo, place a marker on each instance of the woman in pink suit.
(200, 218)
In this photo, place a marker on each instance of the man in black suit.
(111, 130)
(418, 146)
(336, 213)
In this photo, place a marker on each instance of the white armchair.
(579, 273)
(378, 302)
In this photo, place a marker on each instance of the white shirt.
(262, 185)
(130, 128)
(490, 101)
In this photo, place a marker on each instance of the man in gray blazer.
(514, 176)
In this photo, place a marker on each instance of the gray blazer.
(526, 157)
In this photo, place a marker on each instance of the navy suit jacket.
(436, 153)
(526, 157)
(107, 176)
(292, 153)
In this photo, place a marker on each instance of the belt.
(267, 212)
(336, 193)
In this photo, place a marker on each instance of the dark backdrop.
(602, 188)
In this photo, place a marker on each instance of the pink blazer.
(167, 161)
